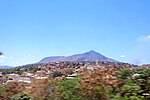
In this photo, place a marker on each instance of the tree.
(2, 92)
(137, 87)
(21, 96)
(101, 83)
(57, 74)
(10, 89)
(71, 89)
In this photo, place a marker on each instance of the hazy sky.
(33, 29)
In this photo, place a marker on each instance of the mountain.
(6, 67)
(88, 56)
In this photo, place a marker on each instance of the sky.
(33, 29)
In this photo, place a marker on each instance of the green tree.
(136, 85)
(21, 96)
(70, 72)
(57, 74)
(71, 89)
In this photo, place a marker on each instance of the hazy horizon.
(34, 29)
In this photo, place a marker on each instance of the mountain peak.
(92, 51)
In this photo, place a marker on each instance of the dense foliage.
(136, 84)
(97, 84)
(21, 97)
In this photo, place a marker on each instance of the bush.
(71, 89)
(135, 88)
(21, 96)
(57, 74)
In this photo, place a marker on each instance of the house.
(72, 76)
(40, 77)
(12, 76)
(23, 79)
(17, 78)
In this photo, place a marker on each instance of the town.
(52, 80)
(26, 73)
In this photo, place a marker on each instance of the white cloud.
(122, 56)
(41, 54)
(148, 36)
(29, 55)
(4, 60)
(144, 38)
(2, 56)
(11, 57)
(111, 57)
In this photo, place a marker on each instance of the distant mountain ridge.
(88, 56)
(6, 67)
